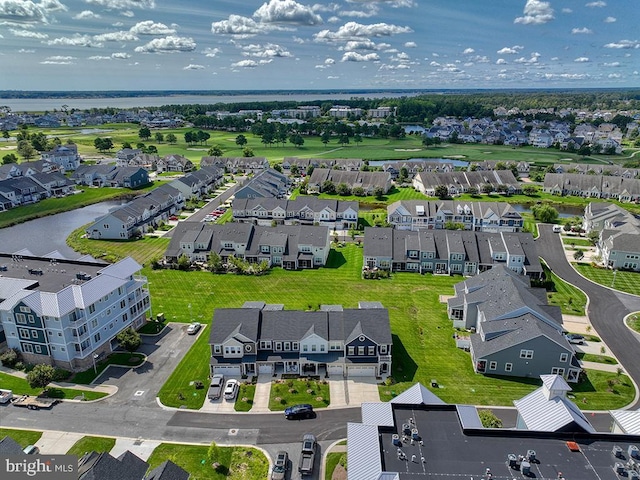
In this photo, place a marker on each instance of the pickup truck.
(5, 396)
(308, 454)
(217, 385)
(34, 403)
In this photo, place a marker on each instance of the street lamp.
(614, 278)
(95, 368)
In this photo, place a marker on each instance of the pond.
(456, 163)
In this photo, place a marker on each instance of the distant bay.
(85, 102)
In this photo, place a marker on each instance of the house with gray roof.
(268, 183)
(368, 181)
(516, 332)
(594, 186)
(127, 466)
(437, 214)
(619, 243)
(235, 165)
(449, 251)
(291, 247)
(94, 175)
(174, 163)
(197, 184)
(303, 210)
(66, 156)
(56, 184)
(129, 177)
(460, 182)
(8, 446)
(343, 342)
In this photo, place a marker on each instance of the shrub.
(10, 358)
(60, 375)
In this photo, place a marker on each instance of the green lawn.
(624, 281)
(122, 359)
(285, 393)
(233, 463)
(570, 299)
(590, 357)
(634, 322)
(578, 242)
(246, 394)
(92, 444)
(21, 387)
(23, 437)
(331, 462)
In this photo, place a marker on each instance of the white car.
(231, 389)
(193, 328)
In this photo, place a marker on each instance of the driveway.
(606, 309)
(140, 386)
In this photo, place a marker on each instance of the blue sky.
(289, 44)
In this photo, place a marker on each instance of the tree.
(295, 170)
(171, 138)
(530, 190)
(5, 134)
(453, 226)
(241, 140)
(247, 152)
(343, 139)
(183, 262)
(9, 158)
(103, 144)
(26, 150)
(144, 133)
(358, 191)
(325, 137)
(487, 188)
(126, 145)
(215, 151)
(593, 236)
(277, 167)
(202, 136)
(189, 137)
(129, 339)
(215, 262)
(297, 140)
(159, 137)
(489, 419)
(442, 192)
(578, 255)
(328, 187)
(39, 141)
(473, 191)
(40, 376)
(343, 189)
(378, 192)
(544, 213)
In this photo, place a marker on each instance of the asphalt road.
(607, 308)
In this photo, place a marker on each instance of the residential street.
(606, 309)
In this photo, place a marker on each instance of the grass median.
(20, 386)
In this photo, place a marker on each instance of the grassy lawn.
(23, 437)
(634, 322)
(152, 328)
(122, 359)
(624, 281)
(590, 357)
(603, 389)
(331, 462)
(570, 299)
(91, 444)
(235, 463)
(578, 242)
(285, 393)
(246, 394)
(21, 387)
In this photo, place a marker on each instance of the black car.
(296, 412)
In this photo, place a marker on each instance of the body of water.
(44, 235)
(48, 104)
(456, 163)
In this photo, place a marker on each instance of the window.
(322, 347)
(305, 348)
(493, 365)
(278, 346)
(24, 333)
(287, 346)
(94, 323)
(314, 348)
(351, 351)
(92, 308)
(526, 353)
(383, 349)
(37, 348)
(96, 337)
(31, 319)
(125, 317)
(59, 334)
(296, 347)
(216, 349)
(361, 350)
(371, 350)
(24, 309)
(21, 318)
(557, 371)
(34, 334)
(564, 357)
(508, 367)
(122, 303)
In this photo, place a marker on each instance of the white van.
(557, 228)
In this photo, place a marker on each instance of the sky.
(344, 44)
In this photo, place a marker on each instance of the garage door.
(361, 371)
(228, 370)
(334, 370)
(265, 368)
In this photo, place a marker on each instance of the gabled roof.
(627, 420)
(167, 470)
(8, 446)
(418, 395)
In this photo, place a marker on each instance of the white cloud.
(98, 58)
(582, 60)
(76, 40)
(28, 34)
(329, 61)
(86, 15)
(391, 3)
(536, 12)
(510, 50)
(269, 50)
(468, 51)
(239, 26)
(24, 50)
(168, 44)
(529, 61)
(410, 45)
(192, 66)
(599, 4)
(363, 45)
(211, 52)
(123, 4)
(624, 44)
(250, 63)
(353, 30)
(610, 20)
(120, 55)
(287, 11)
(614, 75)
(612, 64)
(120, 36)
(58, 60)
(567, 10)
(149, 27)
(127, 13)
(358, 57)
(23, 11)
(501, 61)
(583, 30)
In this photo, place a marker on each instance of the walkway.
(262, 394)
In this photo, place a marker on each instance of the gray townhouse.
(302, 164)
(415, 166)
(110, 175)
(515, 331)
(56, 184)
(23, 190)
(368, 181)
(147, 161)
(268, 183)
(597, 169)
(619, 242)
(334, 341)
(304, 210)
(26, 169)
(66, 156)
(289, 247)
(596, 213)
(127, 466)
(174, 163)
(199, 183)
(593, 186)
(245, 165)
(125, 155)
(132, 219)
(63, 312)
(449, 252)
(460, 182)
(437, 214)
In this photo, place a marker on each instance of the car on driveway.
(575, 338)
(280, 466)
(31, 450)
(194, 328)
(297, 412)
(217, 384)
(231, 389)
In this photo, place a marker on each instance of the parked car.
(194, 328)
(31, 450)
(280, 466)
(575, 338)
(231, 389)
(217, 384)
(557, 228)
(296, 412)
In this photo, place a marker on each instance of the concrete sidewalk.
(263, 392)
(57, 443)
(140, 448)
